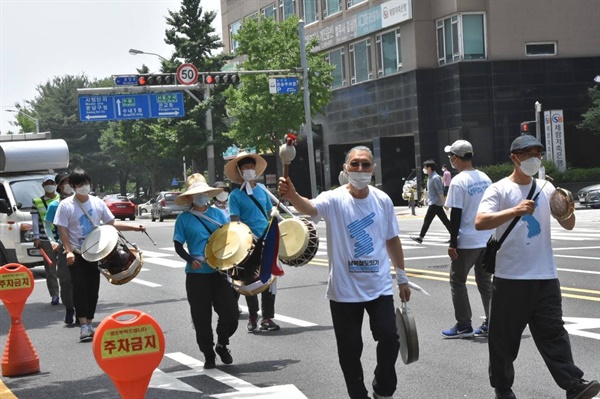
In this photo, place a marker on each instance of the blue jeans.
(347, 325)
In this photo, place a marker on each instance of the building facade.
(412, 76)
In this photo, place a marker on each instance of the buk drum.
(298, 243)
(116, 261)
(229, 247)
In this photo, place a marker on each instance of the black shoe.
(505, 394)
(584, 390)
(209, 363)
(224, 353)
(268, 325)
(70, 313)
(417, 239)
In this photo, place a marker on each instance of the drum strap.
(258, 205)
(85, 211)
(203, 224)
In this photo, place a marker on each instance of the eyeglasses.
(365, 165)
(451, 155)
(531, 154)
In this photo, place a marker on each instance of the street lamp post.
(136, 52)
(31, 118)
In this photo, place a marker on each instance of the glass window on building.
(311, 14)
(331, 7)
(233, 29)
(360, 64)
(269, 11)
(337, 58)
(253, 16)
(540, 49)
(461, 37)
(287, 8)
(352, 3)
(389, 53)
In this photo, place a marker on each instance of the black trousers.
(267, 301)
(205, 292)
(516, 303)
(347, 324)
(433, 211)
(85, 278)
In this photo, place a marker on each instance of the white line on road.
(290, 320)
(577, 271)
(175, 264)
(577, 257)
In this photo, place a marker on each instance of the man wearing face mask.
(362, 238)
(221, 200)
(435, 200)
(526, 289)
(64, 276)
(73, 221)
(251, 205)
(205, 287)
(40, 207)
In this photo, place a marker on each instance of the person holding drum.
(206, 288)
(362, 237)
(251, 205)
(75, 218)
(526, 289)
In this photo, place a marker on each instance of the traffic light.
(159, 79)
(528, 127)
(220, 78)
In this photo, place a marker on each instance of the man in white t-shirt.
(362, 238)
(73, 227)
(526, 290)
(466, 243)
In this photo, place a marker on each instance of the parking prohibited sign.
(187, 74)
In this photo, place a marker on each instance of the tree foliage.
(262, 119)
(591, 118)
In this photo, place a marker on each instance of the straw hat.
(196, 184)
(232, 172)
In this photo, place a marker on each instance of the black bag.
(489, 255)
(493, 245)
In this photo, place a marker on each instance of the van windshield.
(25, 190)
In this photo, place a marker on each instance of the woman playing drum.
(206, 288)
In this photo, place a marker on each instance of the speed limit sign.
(187, 74)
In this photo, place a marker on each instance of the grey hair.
(358, 148)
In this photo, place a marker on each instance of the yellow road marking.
(6, 393)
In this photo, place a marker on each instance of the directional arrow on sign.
(96, 117)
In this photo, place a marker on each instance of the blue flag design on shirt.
(533, 226)
(364, 242)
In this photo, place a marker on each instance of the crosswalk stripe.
(175, 264)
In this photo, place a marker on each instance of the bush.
(571, 175)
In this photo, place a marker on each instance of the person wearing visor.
(64, 276)
(526, 290)
(251, 205)
(362, 239)
(466, 243)
(206, 288)
(40, 235)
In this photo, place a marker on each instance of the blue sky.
(41, 39)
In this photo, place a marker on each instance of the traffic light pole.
(307, 116)
(210, 149)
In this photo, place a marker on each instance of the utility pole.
(307, 116)
(210, 149)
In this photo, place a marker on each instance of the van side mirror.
(153, 201)
(5, 207)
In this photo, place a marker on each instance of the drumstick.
(46, 257)
(153, 242)
(287, 152)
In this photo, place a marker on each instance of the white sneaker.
(92, 329)
(85, 334)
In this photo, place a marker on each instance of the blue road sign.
(286, 85)
(126, 80)
(167, 105)
(96, 108)
(174, 182)
(131, 106)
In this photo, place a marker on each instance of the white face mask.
(222, 196)
(201, 199)
(50, 188)
(424, 171)
(531, 166)
(249, 174)
(83, 190)
(67, 189)
(359, 180)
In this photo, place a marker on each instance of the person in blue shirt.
(251, 205)
(206, 288)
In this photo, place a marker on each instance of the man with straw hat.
(251, 205)
(206, 288)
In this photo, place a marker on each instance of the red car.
(120, 206)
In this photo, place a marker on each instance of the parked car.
(164, 206)
(146, 207)
(120, 206)
(590, 196)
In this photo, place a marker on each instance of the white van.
(24, 161)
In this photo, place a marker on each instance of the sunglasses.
(365, 165)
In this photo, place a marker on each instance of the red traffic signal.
(528, 127)
(220, 78)
(156, 79)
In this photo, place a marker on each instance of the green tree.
(262, 119)
(591, 118)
